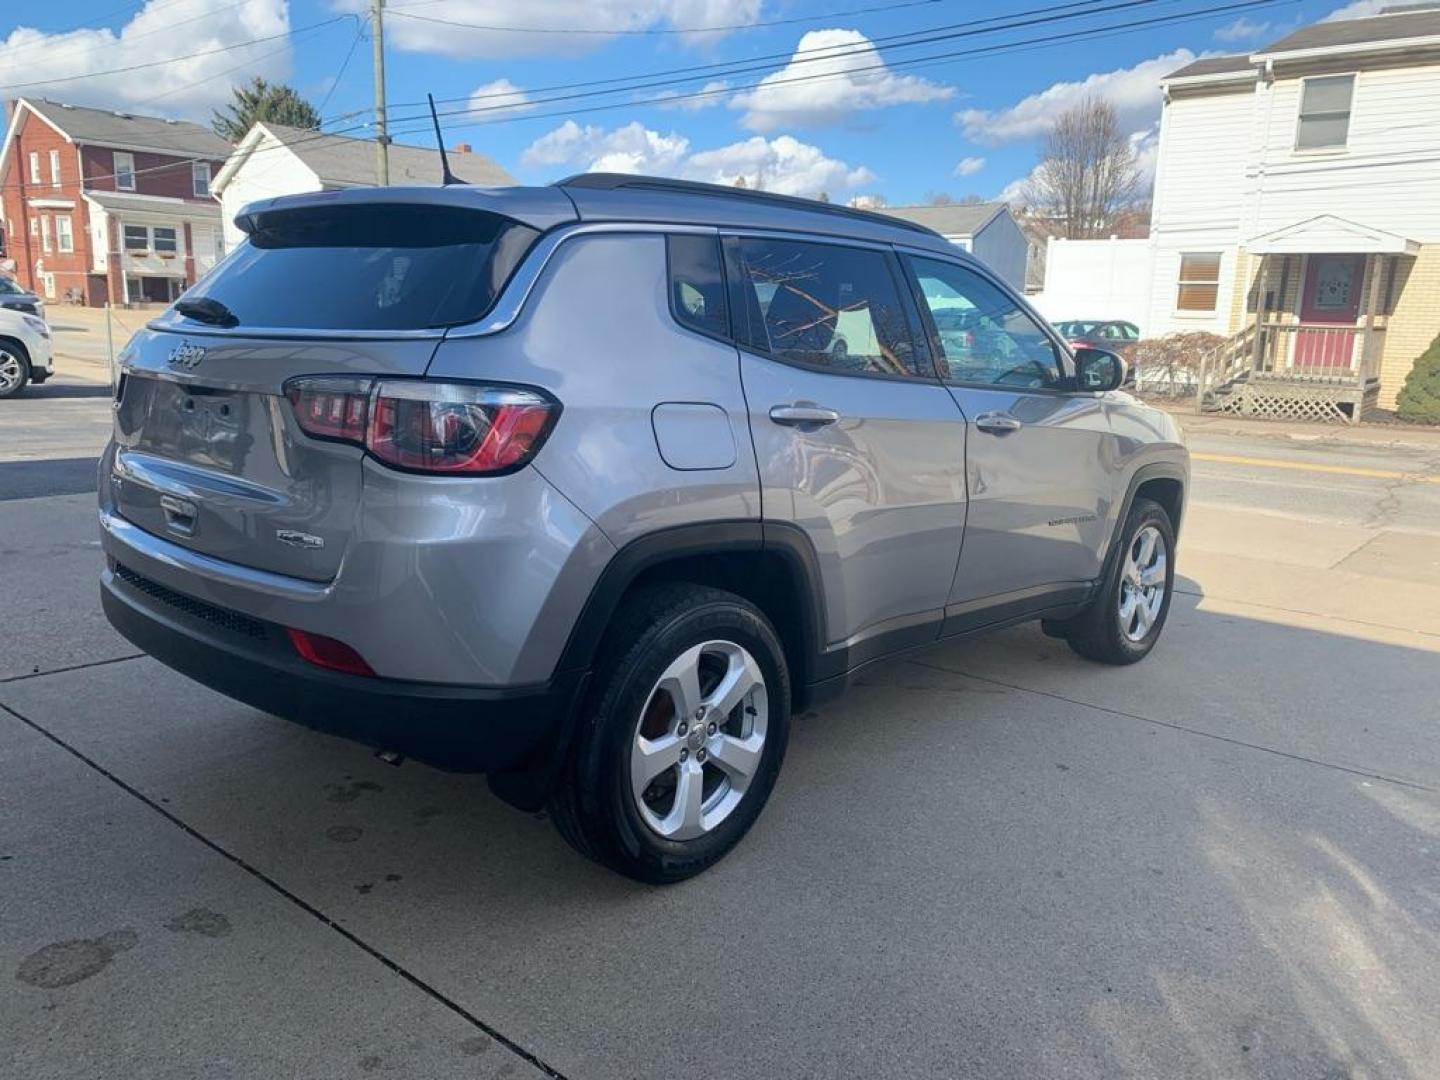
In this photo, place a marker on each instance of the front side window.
(54, 168)
(1325, 112)
(64, 236)
(982, 336)
(137, 238)
(165, 240)
(1199, 286)
(45, 232)
(201, 177)
(35, 166)
(697, 284)
(828, 306)
(124, 169)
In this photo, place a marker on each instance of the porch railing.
(1313, 352)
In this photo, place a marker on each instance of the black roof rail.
(612, 181)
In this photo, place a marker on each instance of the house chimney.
(461, 148)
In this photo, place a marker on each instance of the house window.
(1199, 282)
(54, 168)
(1325, 112)
(34, 226)
(201, 173)
(64, 236)
(137, 238)
(35, 166)
(165, 242)
(124, 171)
(45, 232)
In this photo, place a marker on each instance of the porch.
(1315, 325)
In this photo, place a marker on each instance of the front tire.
(14, 369)
(682, 737)
(1124, 622)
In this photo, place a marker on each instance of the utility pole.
(382, 138)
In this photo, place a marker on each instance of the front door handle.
(998, 423)
(803, 415)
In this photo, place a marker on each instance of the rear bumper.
(453, 727)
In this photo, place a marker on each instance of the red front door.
(1329, 297)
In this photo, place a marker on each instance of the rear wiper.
(203, 309)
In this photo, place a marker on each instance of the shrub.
(1173, 360)
(1419, 400)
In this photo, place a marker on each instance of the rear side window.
(368, 268)
(697, 284)
(825, 305)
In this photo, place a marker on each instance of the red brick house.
(104, 205)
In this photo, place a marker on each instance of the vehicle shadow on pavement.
(993, 859)
(57, 391)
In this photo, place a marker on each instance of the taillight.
(328, 408)
(430, 427)
(326, 652)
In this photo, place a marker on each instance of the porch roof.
(1330, 235)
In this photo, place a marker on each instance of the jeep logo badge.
(187, 356)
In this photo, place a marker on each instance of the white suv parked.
(26, 354)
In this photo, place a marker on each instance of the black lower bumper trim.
(453, 727)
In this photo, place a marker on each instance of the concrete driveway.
(992, 860)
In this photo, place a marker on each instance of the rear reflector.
(328, 653)
(428, 427)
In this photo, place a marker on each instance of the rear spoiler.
(542, 208)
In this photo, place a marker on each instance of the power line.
(1048, 13)
(174, 59)
(1240, 5)
(652, 31)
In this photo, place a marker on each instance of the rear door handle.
(803, 415)
(997, 423)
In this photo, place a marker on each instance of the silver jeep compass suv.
(592, 486)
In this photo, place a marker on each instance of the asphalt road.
(992, 860)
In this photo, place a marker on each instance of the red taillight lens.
(331, 408)
(328, 653)
(432, 427)
(455, 428)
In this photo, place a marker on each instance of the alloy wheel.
(699, 740)
(10, 371)
(1142, 583)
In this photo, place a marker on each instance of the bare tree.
(1088, 171)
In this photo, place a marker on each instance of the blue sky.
(960, 125)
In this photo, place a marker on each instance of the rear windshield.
(368, 268)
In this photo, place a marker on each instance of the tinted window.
(368, 268)
(826, 306)
(697, 284)
(982, 335)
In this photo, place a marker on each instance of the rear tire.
(14, 368)
(1122, 624)
(681, 738)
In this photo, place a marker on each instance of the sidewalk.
(1194, 422)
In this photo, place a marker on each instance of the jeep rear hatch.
(225, 442)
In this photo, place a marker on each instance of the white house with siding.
(986, 230)
(1297, 213)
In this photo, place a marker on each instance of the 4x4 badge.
(187, 356)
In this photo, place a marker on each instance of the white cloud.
(713, 91)
(1242, 29)
(1360, 9)
(779, 101)
(969, 166)
(1133, 91)
(782, 164)
(529, 20)
(868, 202)
(160, 30)
(501, 97)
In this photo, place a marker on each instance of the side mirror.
(1098, 370)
